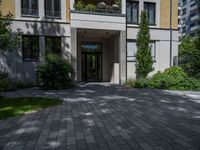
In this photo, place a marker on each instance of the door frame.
(92, 43)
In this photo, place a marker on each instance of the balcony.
(92, 14)
(26, 12)
(108, 7)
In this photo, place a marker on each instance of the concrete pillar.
(122, 56)
(72, 4)
(42, 47)
(74, 50)
(66, 47)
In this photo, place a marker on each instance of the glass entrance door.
(91, 63)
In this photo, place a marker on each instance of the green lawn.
(10, 107)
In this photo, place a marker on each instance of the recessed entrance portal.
(91, 55)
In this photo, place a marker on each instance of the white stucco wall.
(162, 54)
(93, 21)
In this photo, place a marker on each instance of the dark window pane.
(53, 45)
(53, 8)
(25, 4)
(56, 5)
(132, 11)
(30, 47)
(135, 12)
(150, 9)
(30, 7)
(48, 4)
(34, 4)
(129, 12)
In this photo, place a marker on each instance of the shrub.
(79, 5)
(189, 55)
(173, 78)
(130, 83)
(90, 7)
(55, 72)
(8, 84)
(101, 6)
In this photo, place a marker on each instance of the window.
(183, 20)
(53, 9)
(192, 25)
(132, 49)
(53, 45)
(192, 14)
(150, 9)
(30, 47)
(184, 11)
(192, 5)
(184, 2)
(132, 11)
(29, 8)
(183, 29)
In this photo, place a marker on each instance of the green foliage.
(189, 53)
(8, 40)
(143, 56)
(90, 7)
(173, 78)
(8, 84)
(118, 2)
(10, 107)
(79, 6)
(55, 72)
(130, 83)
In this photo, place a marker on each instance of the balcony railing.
(30, 12)
(52, 14)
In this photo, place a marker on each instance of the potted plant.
(101, 7)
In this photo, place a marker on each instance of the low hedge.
(173, 78)
(8, 84)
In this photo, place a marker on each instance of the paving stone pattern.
(106, 117)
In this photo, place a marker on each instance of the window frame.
(30, 15)
(58, 37)
(138, 7)
(52, 9)
(23, 49)
(155, 19)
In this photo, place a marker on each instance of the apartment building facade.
(100, 43)
(189, 17)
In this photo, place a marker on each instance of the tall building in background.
(189, 17)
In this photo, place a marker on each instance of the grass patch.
(10, 107)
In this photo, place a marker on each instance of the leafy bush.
(90, 7)
(173, 78)
(79, 5)
(55, 72)
(189, 55)
(8, 84)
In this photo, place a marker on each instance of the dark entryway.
(91, 55)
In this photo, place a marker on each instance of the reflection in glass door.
(91, 62)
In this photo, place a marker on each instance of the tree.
(8, 40)
(189, 55)
(144, 58)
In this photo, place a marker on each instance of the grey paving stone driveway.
(105, 116)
